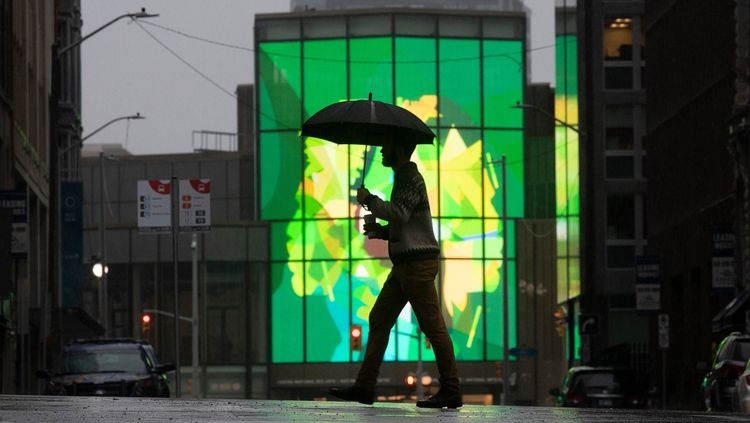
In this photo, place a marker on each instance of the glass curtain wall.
(461, 81)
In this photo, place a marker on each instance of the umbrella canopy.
(358, 122)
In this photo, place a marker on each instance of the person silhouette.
(414, 252)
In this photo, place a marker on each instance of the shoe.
(442, 400)
(354, 393)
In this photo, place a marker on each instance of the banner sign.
(647, 284)
(722, 260)
(16, 201)
(195, 205)
(154, 205)
(71, 209)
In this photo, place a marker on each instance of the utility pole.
(196, 374)
(175, 237)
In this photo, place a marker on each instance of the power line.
(284, 126)
(510, 56)
(207, 78)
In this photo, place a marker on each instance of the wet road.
(35, 409)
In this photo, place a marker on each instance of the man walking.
(414, 252)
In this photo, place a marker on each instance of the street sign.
(663, 321)
(195, 205)
(154, 205)
(523, 352)
(19, 238)
(647, 284)
(722, 261)
(589, 324)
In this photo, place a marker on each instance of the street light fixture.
(520, 105)
(79, 144)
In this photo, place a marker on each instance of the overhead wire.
(283, 125)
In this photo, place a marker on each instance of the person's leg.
(418, 284)
(383, 316)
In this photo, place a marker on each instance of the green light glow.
(326, 275)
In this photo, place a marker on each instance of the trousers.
(412, 282)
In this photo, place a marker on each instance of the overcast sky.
(124, 70)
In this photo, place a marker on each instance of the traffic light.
(355, 337)
(145, 323)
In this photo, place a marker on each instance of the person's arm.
(402, 204)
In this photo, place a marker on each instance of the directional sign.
(154, 205)
(195, 205)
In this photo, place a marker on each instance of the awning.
(732, 316)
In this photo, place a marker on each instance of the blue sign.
(523, 352)
(71, 212)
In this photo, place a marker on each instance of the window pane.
(327, 191)
(281, 169)
(326, 239)
(459, 82)
(497, 144)
(462, 286)
(620, 217)
(503, 83)
(324, 74)
(620, 167)
(371, 69)
(618, 78)
(461, 238)
(286, 240)
(279, 87)
(494, 305)
(493, 238)
(618, 38)
(416, 80)
(327, 308)
(286, 312)
(460, 173)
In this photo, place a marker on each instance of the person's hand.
(373, 230)
(362, 193)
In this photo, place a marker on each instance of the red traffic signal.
(145, 323)
(355, 337)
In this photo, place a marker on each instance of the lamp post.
(100, 268)
(58, 53)
(571, 313)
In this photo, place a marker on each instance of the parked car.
(600, 387)
(720, 383)
(108, 367)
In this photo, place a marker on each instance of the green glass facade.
(325, 275)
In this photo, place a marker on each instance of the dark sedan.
(108, 367)
(600, 387)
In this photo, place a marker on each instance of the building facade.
(461, 72)
(613, 191)
(27, 166)
(231, 262)
(696, 183)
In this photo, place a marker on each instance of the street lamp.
(55, 184)
(520, 105)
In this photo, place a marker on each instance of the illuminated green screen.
(567, 181)
(325, 274)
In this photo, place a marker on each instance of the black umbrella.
(353, 122)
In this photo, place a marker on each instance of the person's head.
(396, 154)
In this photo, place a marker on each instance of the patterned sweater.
(409, 231)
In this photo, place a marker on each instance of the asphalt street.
(38, 409)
